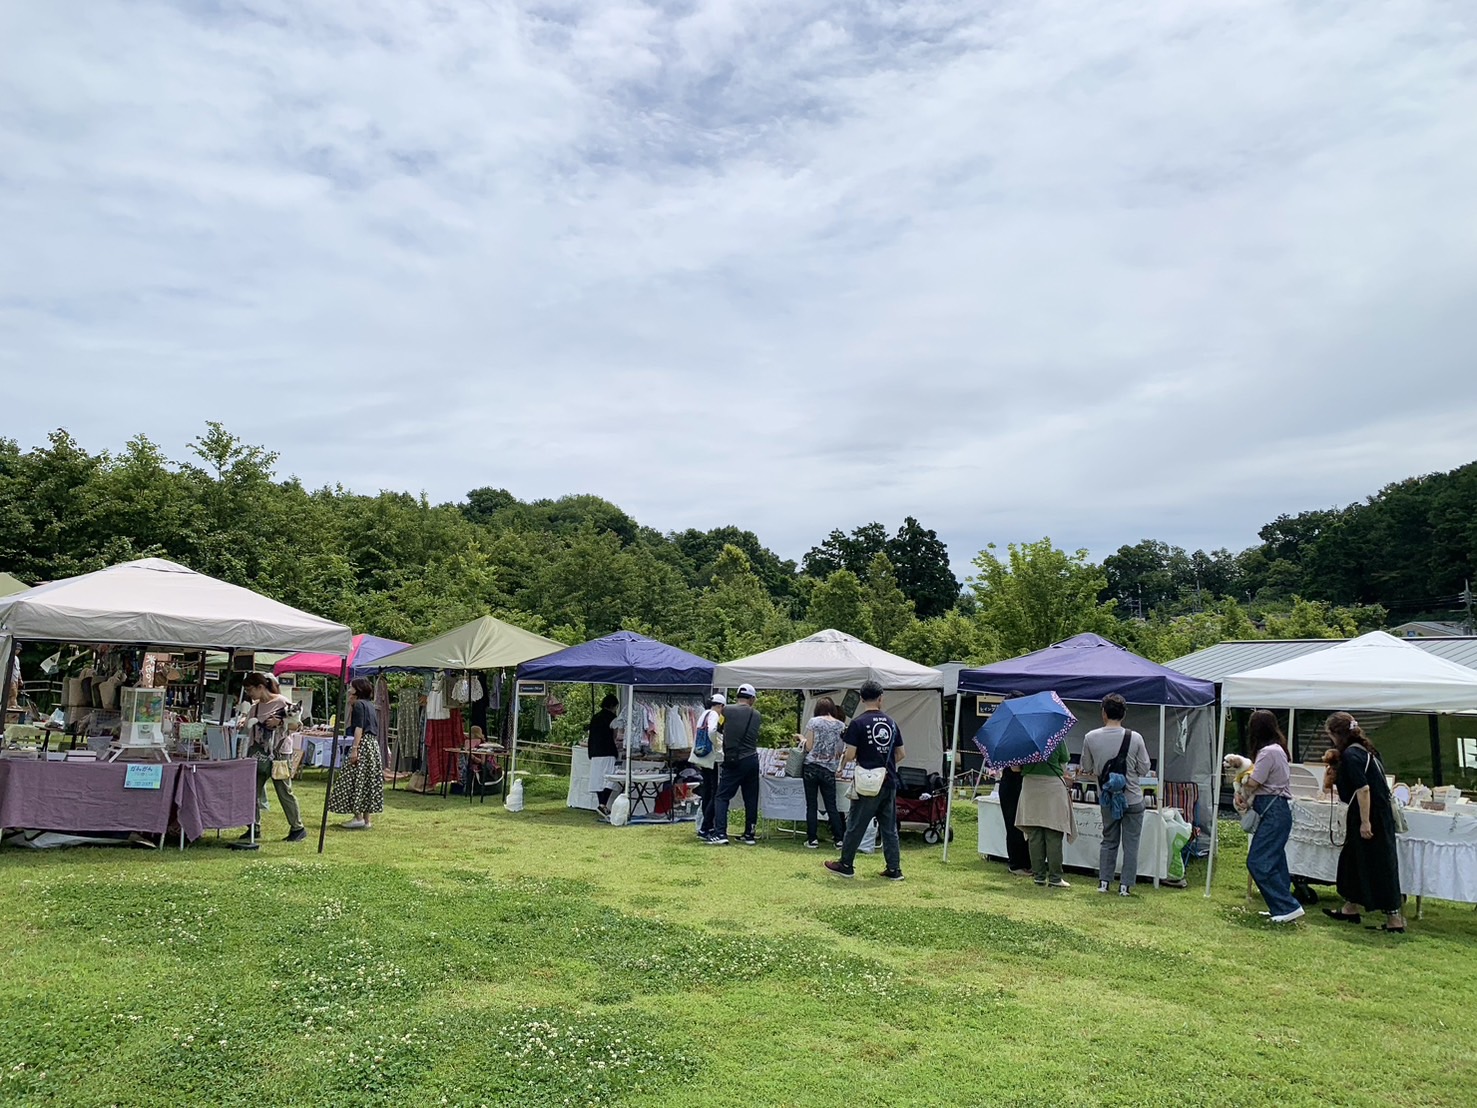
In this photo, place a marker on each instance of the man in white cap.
(740, 769)
(709, 723)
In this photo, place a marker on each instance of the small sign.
(986, 704)
(1468, 752)
(532, 688)
(143, 777)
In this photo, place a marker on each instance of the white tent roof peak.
(828, 659)
(155, 602)
(1374, 672)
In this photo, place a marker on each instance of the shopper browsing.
(1118, 758)
(823, 747)
(740, 769)
(874, 742)
(707, 752)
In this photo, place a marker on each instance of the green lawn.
(466, 956)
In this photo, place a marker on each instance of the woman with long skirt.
(359, 788)
(1369, 867)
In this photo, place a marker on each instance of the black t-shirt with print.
(875, 735)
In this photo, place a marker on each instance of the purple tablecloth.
(81, 796)
(216, 795)
(89, 796)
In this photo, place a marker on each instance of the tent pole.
(1292, 728)
(630, 718)
(513, 742)
(342, 726)
(12, 648)
(1159, 769)
(1434, 723)
(953, 761)
(1215, 800)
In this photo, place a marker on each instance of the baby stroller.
(922, 803)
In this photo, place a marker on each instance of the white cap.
(747, 690)
(717, 698)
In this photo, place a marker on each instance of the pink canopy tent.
(363, 653)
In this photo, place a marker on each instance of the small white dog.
(1239, 769)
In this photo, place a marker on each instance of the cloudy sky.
(1099, 271)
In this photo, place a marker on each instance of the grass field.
(462, 955)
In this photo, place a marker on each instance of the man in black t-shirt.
(873, 741)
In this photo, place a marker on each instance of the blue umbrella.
(1025, 730)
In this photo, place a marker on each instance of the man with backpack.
(740, 768)
(1118, 757)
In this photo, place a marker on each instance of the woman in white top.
(823, 748)
(707, 763)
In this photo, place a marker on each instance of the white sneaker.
(1102, 886)
(355, 825)
(1290, 917)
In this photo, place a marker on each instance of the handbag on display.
(795, 762)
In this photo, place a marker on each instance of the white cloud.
(1102, 272)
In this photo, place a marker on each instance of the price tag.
(143, 777)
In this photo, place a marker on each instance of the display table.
(1083, 852)
(89, 796)
(1438, 855)
(784, 798)
(642, 774)
(318, 749)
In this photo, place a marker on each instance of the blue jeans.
(882, 807)
(1266, 857)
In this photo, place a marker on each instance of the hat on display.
(717, 698)
(748, 691)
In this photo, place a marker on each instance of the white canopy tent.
(155, 602)
(1375, 672)
(832, 663)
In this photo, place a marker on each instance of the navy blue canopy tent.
(624, 658)
(1087, 667)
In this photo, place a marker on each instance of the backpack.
(1117, 764)
(702, 745)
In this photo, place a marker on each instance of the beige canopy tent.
(832, 663)
(484, 644)
(9, 585)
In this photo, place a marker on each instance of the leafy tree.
(889, 613)
(839, 603)
(1039, 595)
(923, 573)
(735, 614)
(952, 637)
(852, 552)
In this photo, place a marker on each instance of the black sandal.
(1346, 917)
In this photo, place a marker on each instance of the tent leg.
(1292, 728)
(513, 742)
(342, 726)
(1215, 801)
(953, 761)
(630, 719)
(1434, 723)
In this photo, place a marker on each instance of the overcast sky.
(1099, 271)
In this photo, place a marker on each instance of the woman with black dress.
(1369, 867)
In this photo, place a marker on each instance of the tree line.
(576, 567)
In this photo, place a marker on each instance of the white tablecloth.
(784, 798)
(1083, 853)
(1438, 856)
(580, 795)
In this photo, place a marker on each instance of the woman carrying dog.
(1269, 793)
(1369, 868)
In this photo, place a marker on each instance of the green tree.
(735, 614)
(923, 573)
(1039, 595)
(889, 612)
(839, 603)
